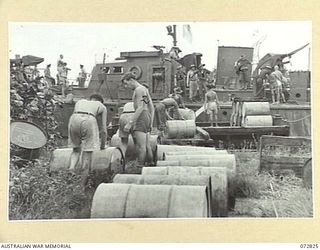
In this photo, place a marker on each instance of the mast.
(172, 32)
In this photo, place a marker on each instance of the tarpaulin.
(28, 60)
(298, 117)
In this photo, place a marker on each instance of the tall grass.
(266, 195)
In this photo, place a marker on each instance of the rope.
(300, 119)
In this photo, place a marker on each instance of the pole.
(174, 35)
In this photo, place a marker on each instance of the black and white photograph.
(158, 120)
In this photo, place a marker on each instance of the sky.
(85, 43)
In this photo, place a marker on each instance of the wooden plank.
(297, 141)
(284, 159)
(278, 153)
(283, 130)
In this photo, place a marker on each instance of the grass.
(266, 195)
(35, 192)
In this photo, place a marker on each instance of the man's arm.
(168, 116)
(188, 78)
(205, 101)
(182, 102)
(103, 126)
(217, 101)
(151, 110)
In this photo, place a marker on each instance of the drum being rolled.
(163, 149)
(180, 129)
(219, 183)
(255, 108)
(60, 158)
(227, 161)
(149, 201)
(258, 121)
(187, 114)
(110, 158)
(130, 153)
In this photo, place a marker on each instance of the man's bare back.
(211, 96)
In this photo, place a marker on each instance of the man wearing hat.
(242, 70)
(47, 76)
(180, 79)
(161, 112)
(202, 81)
(174, 53)
(211, 104)
(192, 82)
(82, 76)
(176, 95)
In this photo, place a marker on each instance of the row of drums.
(252, 114)
(188, 182)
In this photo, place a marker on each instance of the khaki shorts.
(143, 123)
(83, 132)
(212, 107)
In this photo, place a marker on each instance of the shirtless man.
(211, 104)
(162, 114)
(176, 95)
(140, 125)
(84, 132)
(278, 77)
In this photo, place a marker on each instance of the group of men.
(83, 129)
(196, 79)
(279, 85)
(62, 75)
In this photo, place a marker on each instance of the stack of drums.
(176, 187)
(256, 114)
(172, 157)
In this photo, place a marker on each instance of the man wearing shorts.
(277, 75)
(140, 124)
(162, 114)
(192, 82)
(211, 104)
(84, 132)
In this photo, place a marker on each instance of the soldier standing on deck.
(192, 82)
(242, 70)
(211, 104)
(202, 81)
(82, 76)
(180, 79)
(60, 64)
